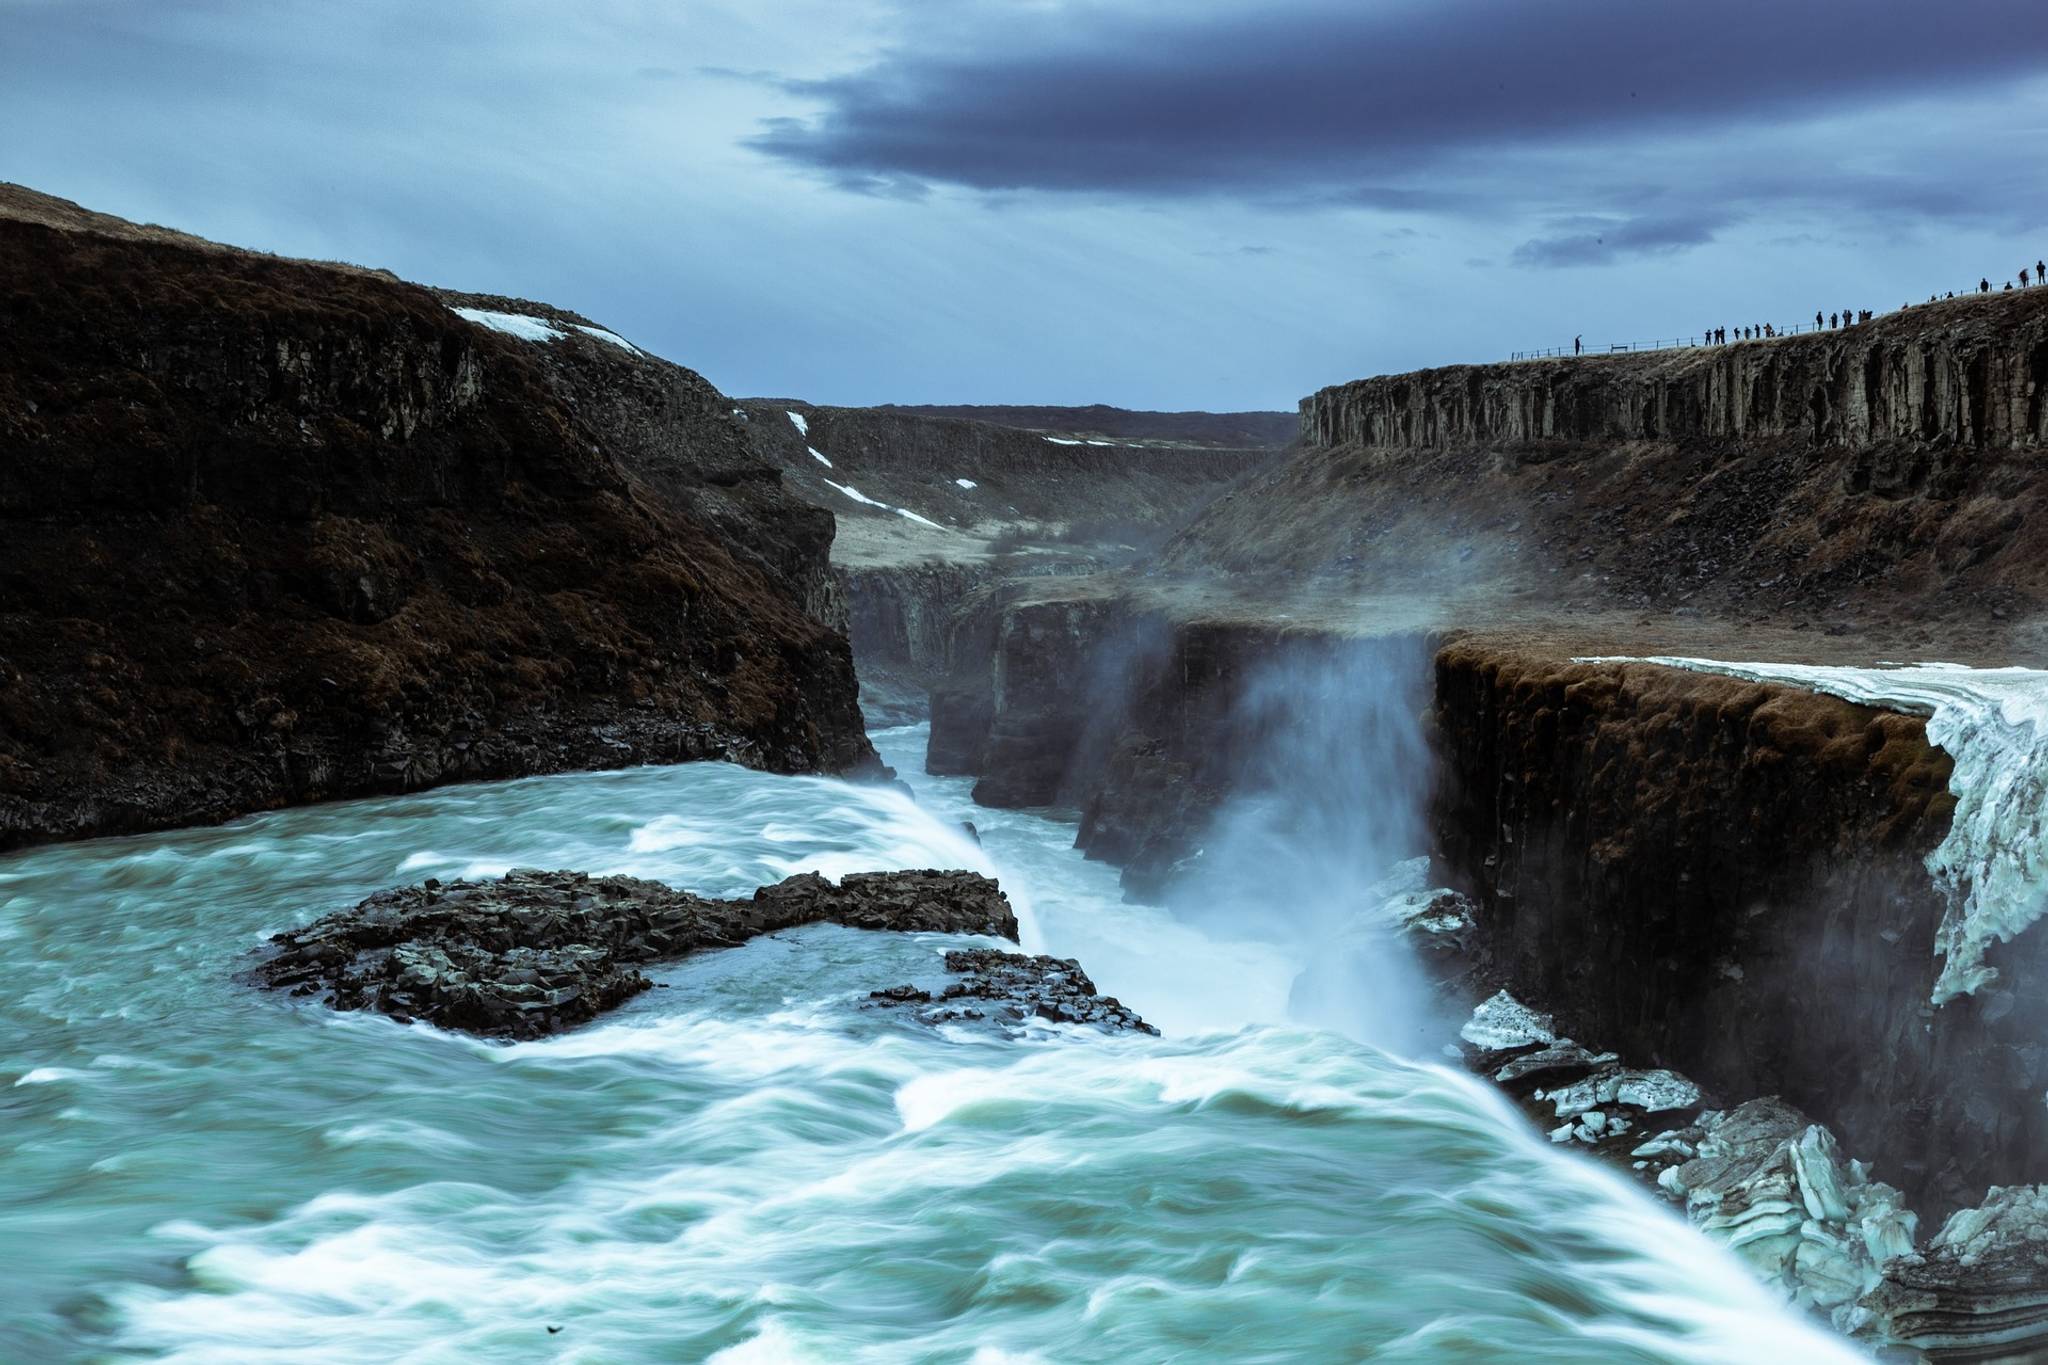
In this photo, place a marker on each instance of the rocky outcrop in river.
(535, 953)
(281, 531)
(1010, 990)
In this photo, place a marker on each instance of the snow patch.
(968, 484)
(855, 493)
(602, 335)
(796, 420)
(513, 324)
(1063, 441)
(817, 455)
(850, 491)
(1993, 723)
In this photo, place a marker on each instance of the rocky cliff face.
(1970, 372)
(280, 532)
(1883, 478)
(961, 473)
(1730, 878)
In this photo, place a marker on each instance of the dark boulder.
(535, 953)
(1008, 989)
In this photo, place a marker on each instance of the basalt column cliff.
(279, 531)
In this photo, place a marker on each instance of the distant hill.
(1098, 419)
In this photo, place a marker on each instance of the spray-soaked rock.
(1979, 1289)
(1009, 989)
(1775, 1189)
(535, 953)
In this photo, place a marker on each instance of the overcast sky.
(1154, 203)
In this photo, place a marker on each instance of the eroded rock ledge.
(535, 953)
(1779, 1192)
(1008, 990)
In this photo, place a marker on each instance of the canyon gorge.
(1480, 746)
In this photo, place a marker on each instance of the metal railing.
(1670, 343)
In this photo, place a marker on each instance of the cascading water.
(748, 1165)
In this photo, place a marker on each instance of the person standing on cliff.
(1578, 346)
(2023, 277)
(1816, 322)
(1983, 286)
(2041, 272)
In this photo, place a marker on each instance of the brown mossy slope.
(1729, 878)
(1895, 472)
(277, 532)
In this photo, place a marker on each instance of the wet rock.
(366, 545)
(1979, 1289)
(1010, 989)
(1775, 1189)
(535, 953)
(1563, 1056)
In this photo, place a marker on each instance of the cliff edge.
(1875, 479)
(281, 531)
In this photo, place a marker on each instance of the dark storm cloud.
(1423, 107)
(1601, 241)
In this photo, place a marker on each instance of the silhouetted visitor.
(2041, 272)
(1983, 286)
(2023, 277)
(2008, 286)
(1816, 322)
(1721, 335)
(1577, 346)
(1834, 321)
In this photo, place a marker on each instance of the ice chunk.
(1503, 1022)
(968, 484)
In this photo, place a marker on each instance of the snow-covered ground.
(1993, 723)
(602, 335)
(529, 328)
(858, 496)
(513, 324)
(819, 456)
(967, 484)
(803, 428)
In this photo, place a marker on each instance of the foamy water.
(747, 1165)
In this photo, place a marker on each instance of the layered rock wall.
(1729, 878)
(1968, 372)
(280, 531)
